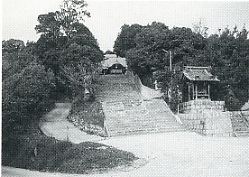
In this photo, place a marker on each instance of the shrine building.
(113, 65)
(197, 83)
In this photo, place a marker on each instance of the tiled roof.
(111, 59)
(194, 73)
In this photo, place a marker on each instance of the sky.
(19, 17)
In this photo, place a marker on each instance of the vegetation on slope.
(88, 116)
(148, 50)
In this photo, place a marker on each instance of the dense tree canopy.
(148, 50)
(126, 39)
(62, 62)
(66, 41)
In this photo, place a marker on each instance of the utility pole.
(170, 60)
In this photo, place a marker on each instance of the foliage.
(88, 116)
(26, 95)
(72, 11)
(148, 50)
(12, 45)
(23, 94)
(47, 154)
(71, 45)
(125, 39)
(35, 75)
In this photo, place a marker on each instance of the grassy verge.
(88, 116)
(35, 151)
(47, 154)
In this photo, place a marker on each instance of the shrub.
(47, 154)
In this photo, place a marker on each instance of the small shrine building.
(113, 65)
(197, 83)
(199, 110)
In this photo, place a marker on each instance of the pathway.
(55, 124)
(171, 154)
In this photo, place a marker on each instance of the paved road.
(167, 154)
(172, 154)
(55, 124)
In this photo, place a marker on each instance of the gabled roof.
(111, 59)
(194, 73)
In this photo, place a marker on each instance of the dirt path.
(55, 124)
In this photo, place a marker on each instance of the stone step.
(145, 121)
(166, 129)
(240, 128)
(241, 133)
(114, 125)
(120, 132)
(126, 113)
(142, 118)
(120, 112)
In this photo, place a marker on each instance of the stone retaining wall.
(194, 105)
(208, 122)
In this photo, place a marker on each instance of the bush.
(25, 94)
(87, 157)
(47, 154)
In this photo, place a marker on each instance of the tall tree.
(126, 39)
(71, 44)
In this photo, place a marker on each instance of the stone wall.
(200, 104)
(208, 122)
(206, 117)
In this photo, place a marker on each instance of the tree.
(25, 93)
(72, 11)
(199, 28)
(147, 54)
(60, 33)
(12, 46)
(126, 39)
(16, 56)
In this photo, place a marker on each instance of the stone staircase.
(240, 123)
(116, 88)
(127, 113)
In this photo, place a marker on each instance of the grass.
(35, 151)
(47, 154)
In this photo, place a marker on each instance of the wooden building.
(197, 83)
(113, 65)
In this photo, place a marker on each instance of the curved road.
(168, 154)
(55, 124)
(172, 154)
